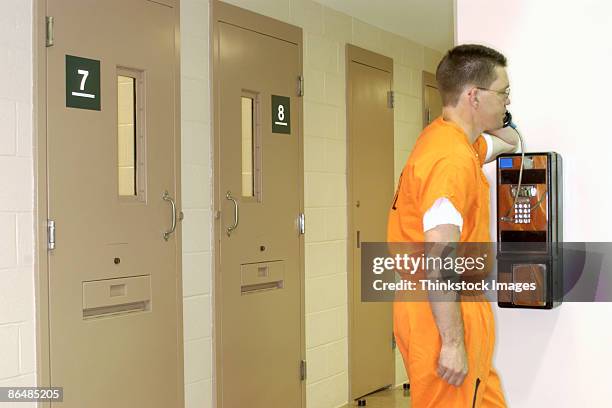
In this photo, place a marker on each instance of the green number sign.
(281, 115)
(82, 83)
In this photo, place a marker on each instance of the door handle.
(229, 197)
(166, 197)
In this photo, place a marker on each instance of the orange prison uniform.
(444, 164)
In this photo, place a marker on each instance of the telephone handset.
(508, 120)
(508, 123)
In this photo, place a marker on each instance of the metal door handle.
(166, 197)
(228, 196)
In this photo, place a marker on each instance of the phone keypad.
(522, 213)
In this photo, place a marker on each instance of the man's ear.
(472, 95)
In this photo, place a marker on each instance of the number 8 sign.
(281, 118)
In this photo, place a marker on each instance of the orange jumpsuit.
(444, 164)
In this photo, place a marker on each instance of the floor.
(389, 398)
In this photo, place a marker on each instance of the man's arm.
(505, 140)
(452, 363)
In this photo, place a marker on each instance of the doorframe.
(377, 61)
(41, 192)
(223, 12)
(41, 267)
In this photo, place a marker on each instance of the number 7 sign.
(82, 83)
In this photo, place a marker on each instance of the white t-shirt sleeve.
(442, 212)
(489, 141)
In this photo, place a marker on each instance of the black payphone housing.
(529, 229)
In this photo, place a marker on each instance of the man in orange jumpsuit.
(443, 196)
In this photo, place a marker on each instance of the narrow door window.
(250, 145)
(130, 135)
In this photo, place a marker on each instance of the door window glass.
(130, 134)
(251, 146)
(248, 183)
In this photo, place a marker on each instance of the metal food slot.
(529, 230)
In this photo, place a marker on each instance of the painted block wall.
(17, 310)
(196, 170)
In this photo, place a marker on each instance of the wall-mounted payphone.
(529, 229)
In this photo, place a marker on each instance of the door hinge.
(303, 370)
(391, 99)
(302, 223)
(300, 86)
(50, 234)
(393, 342)
(49, 31)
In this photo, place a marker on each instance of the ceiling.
(428, 22)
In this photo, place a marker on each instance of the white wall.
(17, 333)
(559, 55)
(196, 187)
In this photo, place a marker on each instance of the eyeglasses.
(505, 94)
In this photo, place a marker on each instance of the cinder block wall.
(17, 333)
(196, 169)
(326, 32)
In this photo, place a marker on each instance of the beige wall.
(196, 189)
(17, 316)
(325, 34)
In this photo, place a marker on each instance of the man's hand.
(452, 364)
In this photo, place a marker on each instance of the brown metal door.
(259, 188)
(114, 281)
(370, 122)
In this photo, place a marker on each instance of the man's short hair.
(467, 64)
